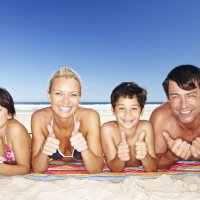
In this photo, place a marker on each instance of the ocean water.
(101, 107)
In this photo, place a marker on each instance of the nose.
(127, 112)
(66, 99)
(183, 102)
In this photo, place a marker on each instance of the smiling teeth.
(64, 108)
(185, 112)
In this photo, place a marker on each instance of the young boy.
(128, 141)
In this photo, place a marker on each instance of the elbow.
(36, 169)
(24, 170)
(152, 169)
(116, 170)
(95, 170)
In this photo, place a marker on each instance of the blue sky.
(105, 41)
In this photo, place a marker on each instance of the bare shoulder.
(109, 129)
(15, 129)
(145, 125)
(109, 126)
(42, 115)
(87, 113)
(161, 114)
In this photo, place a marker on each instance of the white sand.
(25, 119)
(162, 188)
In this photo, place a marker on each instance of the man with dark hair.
(176, 123)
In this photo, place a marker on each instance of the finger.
(141, 136)
(77, 140)
(188, 155)
(184, 149)
(168, 138)
(122, 150)
(48, 150)
(82, 147)
(196, 142)
(76, 128)
(50, 130)
(193, 151)
(123, 137)
(177, 143)
(140, 146)
(52, 142)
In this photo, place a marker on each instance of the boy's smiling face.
(127, 112)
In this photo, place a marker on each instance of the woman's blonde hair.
(65, 72)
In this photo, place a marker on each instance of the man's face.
(185, 104)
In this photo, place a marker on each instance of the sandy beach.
(163, 187)
(25, 119)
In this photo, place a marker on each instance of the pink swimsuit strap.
(9, 153)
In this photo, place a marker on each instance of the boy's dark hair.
(6, 101)
(130, 90)
(186, 77)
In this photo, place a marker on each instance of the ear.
(142, 112)
(10, 116)
(49, 97)
(113, 110)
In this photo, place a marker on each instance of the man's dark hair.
(187, 77)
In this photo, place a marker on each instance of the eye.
(192, 95)
(74, 94)
(58, 93)
(174, 97)
(135, 108)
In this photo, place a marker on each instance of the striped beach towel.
(60, 170)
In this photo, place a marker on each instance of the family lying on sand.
(69, 132)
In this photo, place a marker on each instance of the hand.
(178, 147)
(77, 140)
(195, 148)
(141, 147)
(123, 149)
(51, 144)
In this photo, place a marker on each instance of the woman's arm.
(39, 160)
(92, 157)
(20, 141)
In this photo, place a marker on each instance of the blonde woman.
(65, 130)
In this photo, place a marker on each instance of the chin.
(186, 120)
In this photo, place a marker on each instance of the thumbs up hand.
(195, 148)
(77, 140)
(141, 147)
(178, 147)
(51, 144)
(123, 149)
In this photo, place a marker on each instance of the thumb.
(123, 137)
(141, 136)
(167, 137)
(76, 127)
(50, 130)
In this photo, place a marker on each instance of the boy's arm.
(145, 148)
(110, 149)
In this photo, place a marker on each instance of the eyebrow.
(189, 93)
